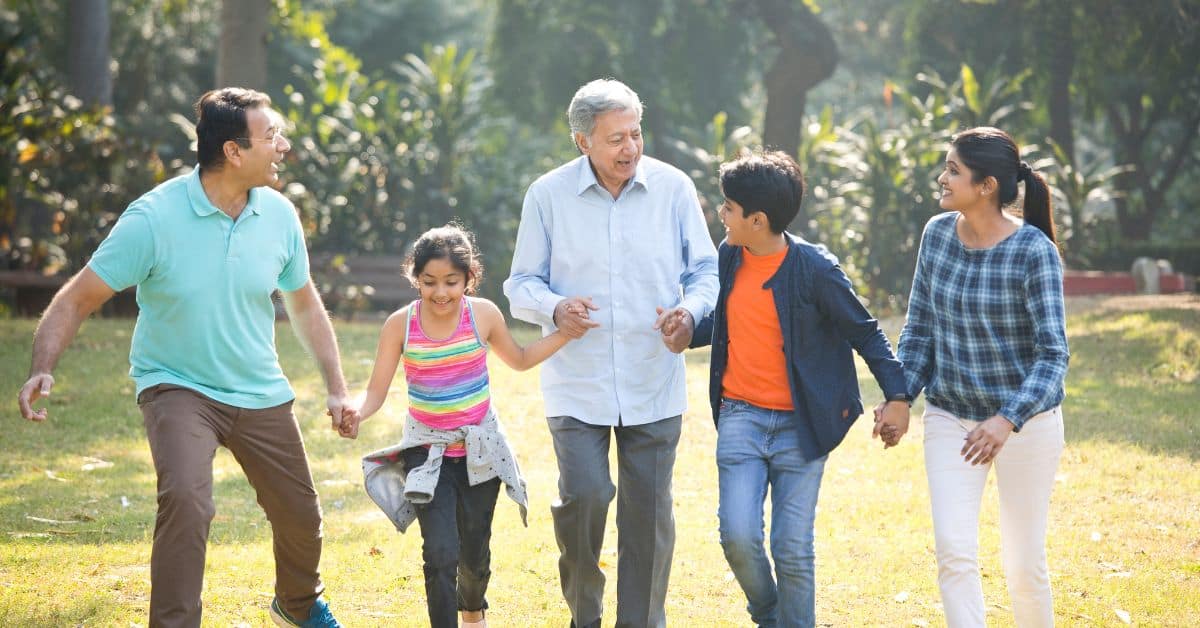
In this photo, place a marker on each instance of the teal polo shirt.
(204, 284)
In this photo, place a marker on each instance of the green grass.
(1124, 524)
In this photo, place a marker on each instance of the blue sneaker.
(318, 616)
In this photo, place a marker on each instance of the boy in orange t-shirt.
(782, 382)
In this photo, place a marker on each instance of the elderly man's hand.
(571, 316)
(677, 326)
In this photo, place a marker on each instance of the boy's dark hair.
(765, 181)
(221, 117)
(451, 242)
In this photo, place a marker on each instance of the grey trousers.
(645, 521)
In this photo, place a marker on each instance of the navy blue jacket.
(821, 319)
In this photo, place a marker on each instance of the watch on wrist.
(905, 397)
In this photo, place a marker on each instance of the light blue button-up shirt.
(647, 248)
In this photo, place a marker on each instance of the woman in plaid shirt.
(986, 340)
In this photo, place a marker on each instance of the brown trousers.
(184, 429)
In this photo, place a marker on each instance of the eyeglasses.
(274, 138)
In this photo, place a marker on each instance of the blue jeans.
(757, 448)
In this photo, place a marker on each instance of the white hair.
(597, 97)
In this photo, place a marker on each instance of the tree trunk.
(1059, 37)
(807, 55)
(87, 55)
(242, 55)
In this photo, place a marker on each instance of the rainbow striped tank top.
(447, 379)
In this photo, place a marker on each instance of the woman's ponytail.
(1038, 210)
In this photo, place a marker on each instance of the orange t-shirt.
(757, 369)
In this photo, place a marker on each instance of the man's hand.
(571, 316)
(891, 422)
(336, 407)
(38, 386)
(677, 326)
(985, 441)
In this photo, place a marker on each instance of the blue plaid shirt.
(986, 330)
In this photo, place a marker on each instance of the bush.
(1184, 255)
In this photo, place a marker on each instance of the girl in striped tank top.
(450, 490)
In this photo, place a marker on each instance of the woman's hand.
(984, 442)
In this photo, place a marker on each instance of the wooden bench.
(32, 291)
(354, 284)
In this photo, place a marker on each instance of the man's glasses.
(274, 138)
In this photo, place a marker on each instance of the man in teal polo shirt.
(206, 250)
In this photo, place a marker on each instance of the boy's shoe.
(318, 616)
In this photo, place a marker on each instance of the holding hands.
(676, 325)
(891, 422)
(344, 416)
(571, 316)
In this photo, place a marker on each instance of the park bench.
(351, 285)
(361, 284)
(32, 290)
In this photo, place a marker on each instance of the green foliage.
(1184, 255)
(380, 159)
(1078, 187)
(63, 163)
(873, 178)
(702, 153)
(687, 60)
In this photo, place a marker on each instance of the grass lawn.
(77, 499)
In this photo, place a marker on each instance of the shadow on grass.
(1133, 379)
(118, 505)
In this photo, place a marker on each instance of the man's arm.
(528, 285)
(81, 296)
(698, 279)
(312, 326)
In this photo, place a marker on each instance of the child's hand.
(351, 419)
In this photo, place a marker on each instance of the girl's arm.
(495, 333)
(387, 359)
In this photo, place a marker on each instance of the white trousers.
(1025, 469)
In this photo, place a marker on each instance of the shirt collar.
(204, 207)
(587, 178)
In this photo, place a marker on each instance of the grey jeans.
(645, 521)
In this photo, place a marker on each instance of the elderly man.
(610, 247)
(206, 250)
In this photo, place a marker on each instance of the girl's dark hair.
(452, 243)
(990, 152)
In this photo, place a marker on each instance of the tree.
(242, 55)
(1146, 90)
(1059, 46)
(807, 55)
(688, 60)
(88, 56)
